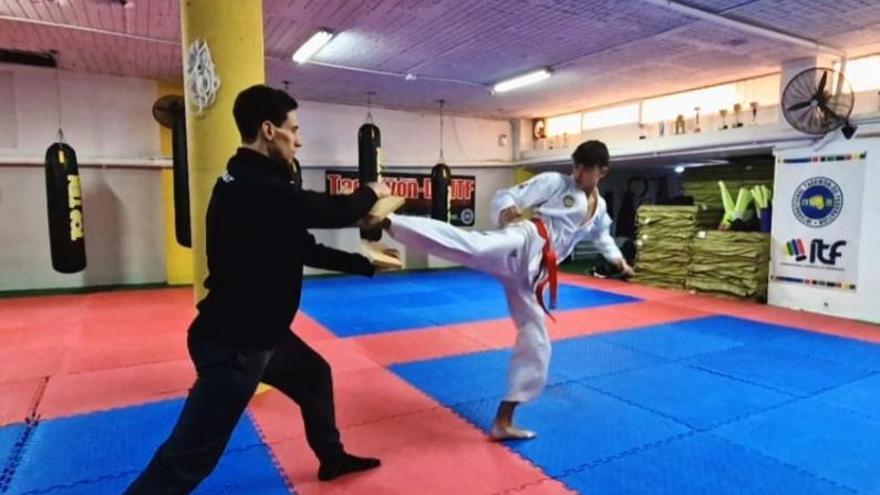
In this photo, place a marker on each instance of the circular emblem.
(568, 201)
(467, 216)
(539, 129)
(817, 202)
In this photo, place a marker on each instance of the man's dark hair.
(591, 154)
(258, 104)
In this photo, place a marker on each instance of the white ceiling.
(603, 50)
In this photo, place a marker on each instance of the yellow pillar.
(233, 31)
(521, 174)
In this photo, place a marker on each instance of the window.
(564, 124)
(611, 116)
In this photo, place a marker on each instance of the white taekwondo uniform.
(513, 255)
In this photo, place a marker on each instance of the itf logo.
(817, 202)
(795, 247)
(827, 254)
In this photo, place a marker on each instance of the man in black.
(257, 245)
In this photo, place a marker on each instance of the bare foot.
(501, 433)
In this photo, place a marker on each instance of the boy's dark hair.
(591, 154)
(257, 104)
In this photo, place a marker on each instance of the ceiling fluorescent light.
(312, 46)
(523, 80)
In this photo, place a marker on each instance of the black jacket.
(257, 244)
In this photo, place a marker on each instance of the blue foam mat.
(742, 330)
(9, 435)
(484, 374)
(862, 396)
(698, 465)
(817, 437)
(94, 446)
(697, 398)
(629, 412)
(242, 472)
(576, 425)
(841, 350)
(779, 369)
(351, 306)
(677, 340)
(578, 358)
(461, 378)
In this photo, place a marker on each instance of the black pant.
(227, 379)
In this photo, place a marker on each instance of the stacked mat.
(733, 264)
(702, 182)
(663, 242)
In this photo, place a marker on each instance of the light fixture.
(312, 46)
(520, 81)
(679, 169)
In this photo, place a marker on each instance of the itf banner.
(816, 219)
(416, 188)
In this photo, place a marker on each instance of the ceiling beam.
(746, 26)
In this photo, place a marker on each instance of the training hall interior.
(703, 306)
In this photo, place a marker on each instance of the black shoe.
(346, 464)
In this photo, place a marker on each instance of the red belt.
(548, 262)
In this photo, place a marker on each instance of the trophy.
(661, 128)
(723, 114)
(697, 124)
(679, 124)
(737, 109)
(754, 106)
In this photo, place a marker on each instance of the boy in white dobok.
(523, 254)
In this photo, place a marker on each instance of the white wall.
(329, 134)
(102, 116)
(106, 119)
(410, 143)
(124, 228)
(862, 303)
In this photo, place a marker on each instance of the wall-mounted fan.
(818, 101)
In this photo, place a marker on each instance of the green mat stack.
(733, 264)
(664, 238)
(702, 182)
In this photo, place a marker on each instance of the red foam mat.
(17, 399)
(361, 397)
(79, 393)
(428, 343)
(433, 452)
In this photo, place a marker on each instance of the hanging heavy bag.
(169, 111)
(369, 166)
(182, 228)
(64, 203)
(441, 193)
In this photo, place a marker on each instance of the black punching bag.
(441, 194)
(64, 200)
(369, 166)
(170, 112)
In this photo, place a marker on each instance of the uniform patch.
(568, 201)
